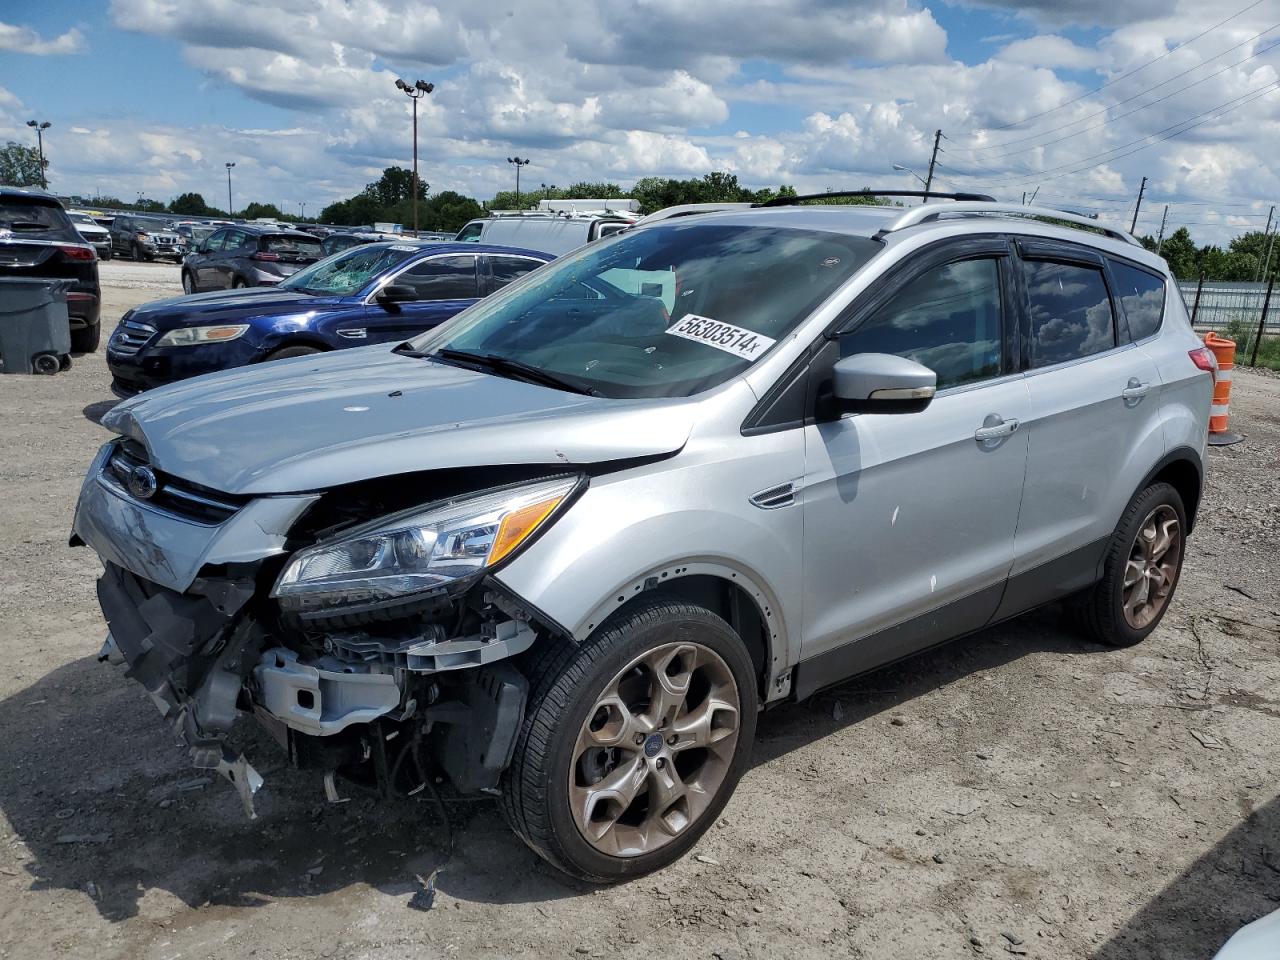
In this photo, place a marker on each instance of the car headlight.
(419, 550)
(185, 336)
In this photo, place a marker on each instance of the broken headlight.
(420, 549)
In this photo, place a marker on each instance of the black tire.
(298, 350)
(107, 255)
(86, 339)
(1100, 609)
(564, 681)
(189, 283)
(135, 252)
(238, 284)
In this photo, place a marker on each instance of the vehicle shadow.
(1234, 883)
(98, 790)
(94, 412)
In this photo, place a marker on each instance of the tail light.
(265, 255)
(1203, 358)
(78, 253)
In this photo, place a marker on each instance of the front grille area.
(130, 337)
(187, 500)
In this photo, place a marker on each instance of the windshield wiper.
(515, 369)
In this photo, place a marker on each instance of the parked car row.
(246, 256)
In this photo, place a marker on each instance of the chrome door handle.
(1136, 390)
(1002, 429)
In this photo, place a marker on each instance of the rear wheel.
(86, 339)
(238, 284)
(1140, 571)
(632, 742)
(284, 353)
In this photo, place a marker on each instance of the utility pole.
(937, 139)
(416, 92)
(40, 128)
(229, 166)
(1163, 221)
(1258, 272)
(519, 163)
(1138, 206)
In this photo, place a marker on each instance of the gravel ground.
(1018, 793)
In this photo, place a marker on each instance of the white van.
(555, 235)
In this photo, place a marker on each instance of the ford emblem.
(143, 483)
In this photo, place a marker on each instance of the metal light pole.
(303, 215)
(40, 128)
(900, 167)
(519, 163)
(416, 92)
(229, 166)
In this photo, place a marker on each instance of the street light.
(40, 128)
(416, 92)
(898, 166)
(519, 163)
(229, 166)
(303, 205)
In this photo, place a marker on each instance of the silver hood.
(317, 422)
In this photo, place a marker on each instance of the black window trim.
(1068, 254)
(825, 349)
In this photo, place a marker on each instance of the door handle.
(1136, 389)
(997, 430)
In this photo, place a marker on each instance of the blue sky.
(153, 96)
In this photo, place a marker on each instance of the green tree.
(19, 165)
(1179, 250)
(255, 211)
(191, 205)
(506, 200)
(395, 184)
(449, 211)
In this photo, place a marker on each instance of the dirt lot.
(1021, 792)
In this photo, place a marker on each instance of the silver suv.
(565, 548)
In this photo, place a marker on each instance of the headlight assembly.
(420, 549)
(185, 336)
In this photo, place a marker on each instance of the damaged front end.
(372, 649)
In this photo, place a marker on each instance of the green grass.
(1244, 333)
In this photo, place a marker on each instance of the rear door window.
(503, 270)
(1141, 296)
(235, 239)
(1070, 309)
(443, 278)
(948, 319)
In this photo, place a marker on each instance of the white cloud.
(1052, 51)
(25, 40)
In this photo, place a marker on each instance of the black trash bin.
(35, 335)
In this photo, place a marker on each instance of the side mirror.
(396, 293)
(882, 383)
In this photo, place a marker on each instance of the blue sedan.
(376, 293)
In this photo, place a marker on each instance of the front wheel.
(1140, 570)
(633, 741)
(188, 283)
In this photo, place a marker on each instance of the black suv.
(245, 256)
(145, 238)
(38, 239)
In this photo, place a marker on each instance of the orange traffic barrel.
(1224, 351)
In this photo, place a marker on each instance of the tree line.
(1243, 259)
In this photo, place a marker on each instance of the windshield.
(666, 311)
(348, 272)
(83, 218)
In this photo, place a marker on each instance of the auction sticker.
(723, 336)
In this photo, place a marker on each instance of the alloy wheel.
(1152, 569)
(654, 750)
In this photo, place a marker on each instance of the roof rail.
(688, 209)
(927, 195)
(924, 214)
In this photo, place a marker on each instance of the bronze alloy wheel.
(1152, 568)
(654, 749)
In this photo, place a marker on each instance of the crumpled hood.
(316, 422)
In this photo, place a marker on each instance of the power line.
(1194, 83)
(1125, 76)
(1043, 175)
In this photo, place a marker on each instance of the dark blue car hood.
(221, 306)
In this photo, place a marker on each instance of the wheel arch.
(303, 338)
(731, 594)
(1183, 470)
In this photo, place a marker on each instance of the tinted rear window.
(24, 218)
(1141, 298)
(1070, 312)
(295, 246)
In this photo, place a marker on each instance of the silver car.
(565, 548)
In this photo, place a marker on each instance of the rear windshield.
(23, 218)
(351, 271)
(291, 246)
